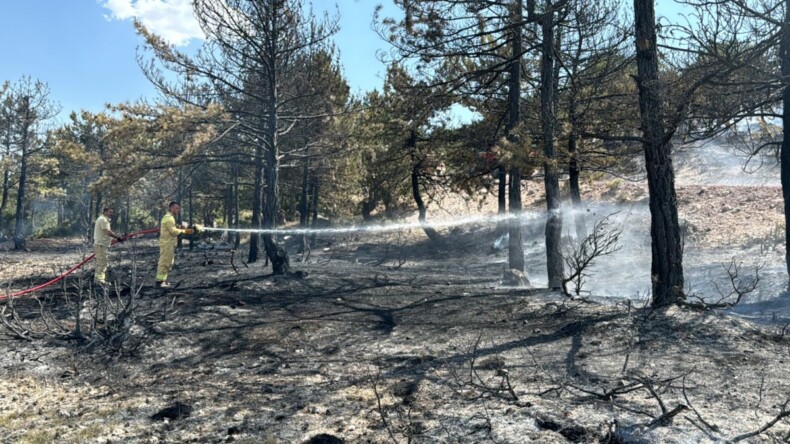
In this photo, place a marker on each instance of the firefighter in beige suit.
(168, 238)
(102, 238)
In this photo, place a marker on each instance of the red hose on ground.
(63, 276)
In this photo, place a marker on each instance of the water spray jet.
(474, 220)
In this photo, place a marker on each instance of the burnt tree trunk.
(274, 251)
(416, 166)
(19, 227)
(367, 209)
(228, 206)
(61, 212)
(191, 215)
(127, 214)
(314, 205)
(87, 214)
(6, 174)
(6, 189)
(179, 198)
(256, 204)
(236, 211)
(576, 195)
(32, 212)
(554, 262)
(501, 225)
(784, 50)
(515, 244)
(667, 253)
(573, 153)
(515, 250)
(304, 201)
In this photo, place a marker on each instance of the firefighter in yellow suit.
(168, 238)
(102, 238)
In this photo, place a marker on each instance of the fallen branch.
(504, 390)
(667, 417)
(783, 413)
(232, 255)
(14, 326)
(711, 427)
(609, 395)
(740, 288)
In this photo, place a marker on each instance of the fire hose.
(77, 267)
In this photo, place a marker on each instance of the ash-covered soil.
(387, 338)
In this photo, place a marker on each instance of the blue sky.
(85, 49)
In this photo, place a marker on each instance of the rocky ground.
(387, 338)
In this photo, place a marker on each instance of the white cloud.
(173, 20)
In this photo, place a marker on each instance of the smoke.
(626, 273)
(725, 162)
(622, 274)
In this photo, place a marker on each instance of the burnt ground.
(385, 339)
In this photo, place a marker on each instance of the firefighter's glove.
(188, 231)
(120, 239)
